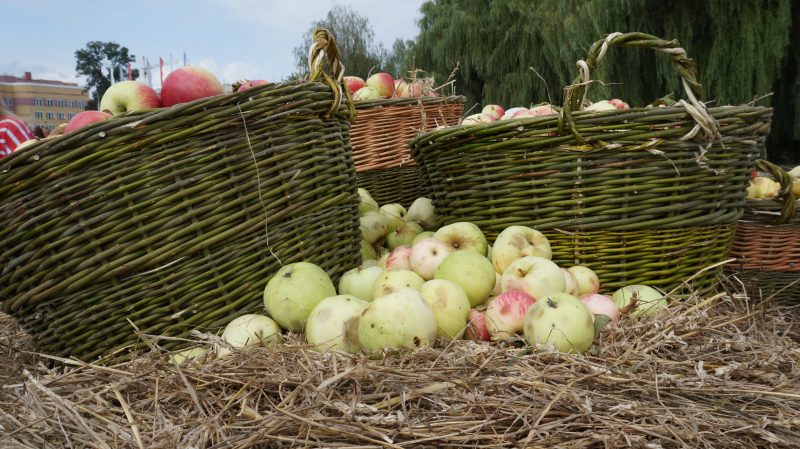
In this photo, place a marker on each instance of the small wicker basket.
(624, 177)
(380, 136)
(767, 241)
(175, 219)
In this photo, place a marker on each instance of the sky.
(235, 39)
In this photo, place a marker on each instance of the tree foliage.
(358, 49)
(94, 62)
(522, 52)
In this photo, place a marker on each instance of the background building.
(42, 103)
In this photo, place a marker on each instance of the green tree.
(400, 60)
(358, 50)
(521, 52)
(96, 60)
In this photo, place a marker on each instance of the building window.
(61, 116)
(39, 115)
(50, 116)
(70, 103)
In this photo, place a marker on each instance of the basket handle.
(323, 47)
(786, 181)
(575, 94)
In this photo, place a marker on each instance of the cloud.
(42, 70)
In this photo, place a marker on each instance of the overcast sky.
(234, 38)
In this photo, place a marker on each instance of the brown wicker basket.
(767, 241)
(380, 135)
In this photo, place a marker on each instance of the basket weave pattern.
(623, 258)
(383, 128)
(394, 185)
(174, 218)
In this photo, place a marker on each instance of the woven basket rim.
(413, 101)
(131, 119)
(547, 121)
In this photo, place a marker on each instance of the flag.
(130, 72)
(184, 59)
(121, 74)
(161, 68)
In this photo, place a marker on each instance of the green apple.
(649, 301)
(294, 291)
(561, 320)
(400, 319)
(333, 324)
(533, 275)
(359, 281)
(422, 212)
(391, 281)
(463, 236)
(516, 242)
(403, 235)
(367, 203)
(395, 215)
(250, 329)
(470, 270)
(450, 306)
(373, 227)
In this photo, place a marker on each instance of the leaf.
(600, 322)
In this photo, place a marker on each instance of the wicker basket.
(380, 136)
(176, 218)
(681, 169)
(767, 241)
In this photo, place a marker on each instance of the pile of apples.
(420, 282)
(182, 85)
(764, 188)
(383, 85)
(492, 112)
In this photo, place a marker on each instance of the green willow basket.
(175, 219)
(680, 167)
(767, 242)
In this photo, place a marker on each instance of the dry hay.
(719, 372)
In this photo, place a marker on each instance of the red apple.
(247, 84)
(189, 83)
(383, 83)
(86, 118)
(414, 89)
(129, 96)
(399, 258)
(505, 314)
(476, 328)
(400, 86)
(353, 83)
(494, 110)
(619, 104)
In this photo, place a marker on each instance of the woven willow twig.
(394, 185)
(175, 218)
(383, 128)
